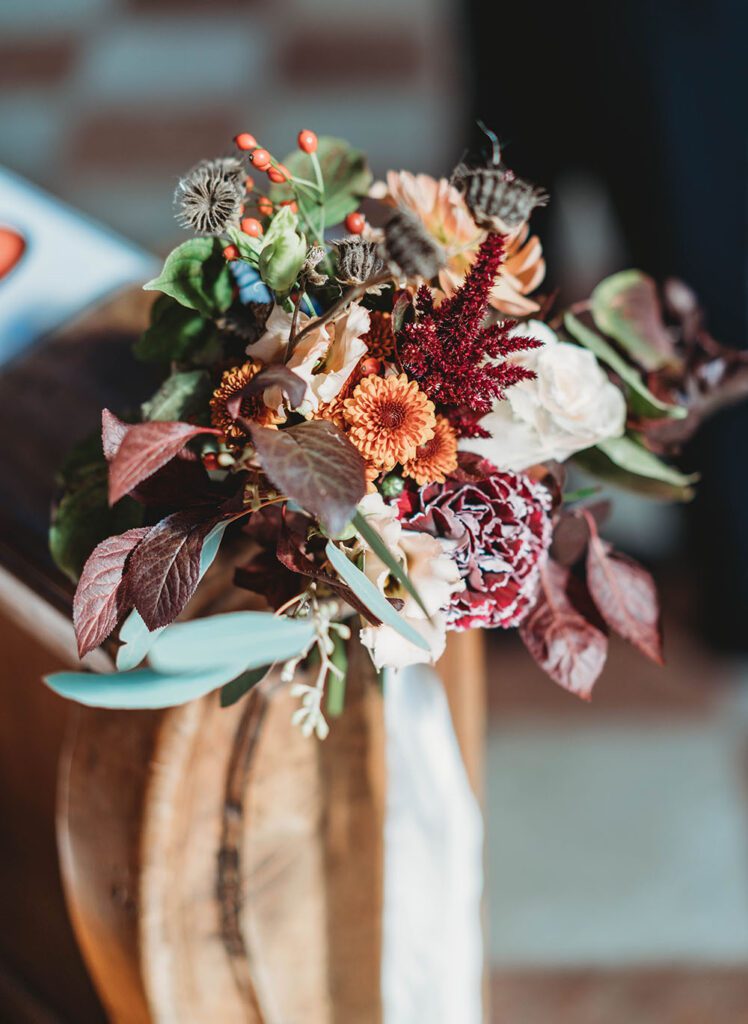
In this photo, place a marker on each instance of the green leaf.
(371, 596)
(142, 688)
(336, 683)
(626, 464)
(83, 518)
(641, 399)
(181, 396)
(379, 548)
(625, 306)
(345, 174)
(135, 638)
(235, 690)
(175, 334)
(249, 247)
(252, 638)
(196, 275)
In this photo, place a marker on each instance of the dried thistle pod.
(314, 257)
(358, 260)
(410, 247)
(497, 199)
(209, 196)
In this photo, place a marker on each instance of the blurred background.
(618, 832)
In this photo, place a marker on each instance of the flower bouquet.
(372, 417)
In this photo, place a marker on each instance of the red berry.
(292, 203)
(369, 366)
(231, 253)
(245, 141)
(278, 174)
(249, 184)
(264, 206)
(307, 141)
(261, 159)
(355, 223)
(210, 460)
(251, 226)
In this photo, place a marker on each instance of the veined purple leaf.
(625, 595)
(98, 605)
(316, 466)
(276, 375)
(565, 643)
(145, 448)
(164, 570)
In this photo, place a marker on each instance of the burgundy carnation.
(502, 529)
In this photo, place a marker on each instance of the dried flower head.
(358, 260)
(496, 197)
(314, 257)
(253, 407)
(388, 418)
(210, 196)
(435, 459)
(410, 247)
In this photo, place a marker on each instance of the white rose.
(434, 574)
(571, 405)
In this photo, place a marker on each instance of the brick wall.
(105, 102)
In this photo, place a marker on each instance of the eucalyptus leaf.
(335, 687)
(181, 396)
(252, 638)
(625, 306)
(641, 400)
(196, 275)
(628, 453)
(236, 689)
(598, 464)
(377, 545)
(371, 596)
(143, 688)
(135, 640)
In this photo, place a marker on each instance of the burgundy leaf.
(145, 448)
(179, 483)
(293, 558)
(625, 595)
(113, 431)
(271, 376)
(164, 569)
(316, 466)
(566, 644)
(98, 604)
(571, 533)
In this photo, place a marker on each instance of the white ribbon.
(432, 956)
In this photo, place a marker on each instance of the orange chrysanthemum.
(436, 458)
(380, 338)
(388, 418)
(253, 408)
(333, 411)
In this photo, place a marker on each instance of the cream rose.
(325, 358)
(571, 405)
(434, 574)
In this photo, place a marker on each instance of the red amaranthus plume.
(457, 361)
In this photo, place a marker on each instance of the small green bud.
(392, 486)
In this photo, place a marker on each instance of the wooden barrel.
(217, 866)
